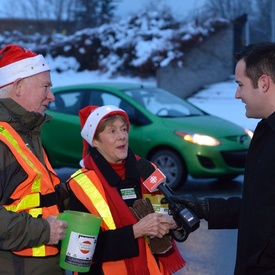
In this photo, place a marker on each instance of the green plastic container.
(78, 247)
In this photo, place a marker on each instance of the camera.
(186, 220)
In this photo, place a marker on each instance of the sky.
(180, 8)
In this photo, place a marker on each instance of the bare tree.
(258, 13)
(43, 9)
(60, 9)
(94, 13)
(261, 23)
(229, 9)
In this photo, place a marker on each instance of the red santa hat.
(17, 62)
(90, 118)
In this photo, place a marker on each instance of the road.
(206, 252)
(210, 252)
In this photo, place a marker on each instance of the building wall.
(208, 63)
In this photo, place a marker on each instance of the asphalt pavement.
(210, 252)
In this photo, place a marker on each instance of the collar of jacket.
(19, 118)
(270, 121)
(110, 174)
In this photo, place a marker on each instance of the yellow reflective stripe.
(39, 251)
(10, 138)
(35, 212)
(29, 201)
(37, 182)
(94, 195)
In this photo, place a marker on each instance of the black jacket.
(254, 214)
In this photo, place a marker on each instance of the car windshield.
(162, 103)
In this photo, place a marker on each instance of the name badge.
(128, 193)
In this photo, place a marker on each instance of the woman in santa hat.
(108, 185)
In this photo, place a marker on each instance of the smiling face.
(249, 95)
(33, 93)
(112, 141)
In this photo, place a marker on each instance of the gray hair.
(4, 91)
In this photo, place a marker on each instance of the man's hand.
(57, 229)
(199, 207)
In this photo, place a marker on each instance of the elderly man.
(29, 230)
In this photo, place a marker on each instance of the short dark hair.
(259, 59)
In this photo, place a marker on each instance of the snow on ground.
(219, 100)
(71, 77)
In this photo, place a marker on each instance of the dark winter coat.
(20, 230)
(254, 214)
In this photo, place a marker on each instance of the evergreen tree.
(93, 13)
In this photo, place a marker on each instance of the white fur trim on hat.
(94, 119)
(23, 68)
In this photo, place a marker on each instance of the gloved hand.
(140, 209)
(62, 196)
(200, 207)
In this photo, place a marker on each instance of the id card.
(128, 193)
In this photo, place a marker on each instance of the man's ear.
(264, 83)
(17, 85)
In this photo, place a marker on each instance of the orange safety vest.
(36, 194)
(88, 189)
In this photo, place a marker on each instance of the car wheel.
(172, 167)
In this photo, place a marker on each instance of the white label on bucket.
(80, 249)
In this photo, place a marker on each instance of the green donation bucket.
(78, 247)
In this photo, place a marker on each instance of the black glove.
(199, 207)
(63, 197)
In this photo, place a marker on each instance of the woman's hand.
(154, 225)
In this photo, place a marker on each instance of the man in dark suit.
(253, 214)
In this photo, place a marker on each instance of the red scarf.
(171, 261)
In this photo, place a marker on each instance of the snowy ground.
(219, 99)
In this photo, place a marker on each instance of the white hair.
(4, 91)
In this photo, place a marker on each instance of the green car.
(178, 137)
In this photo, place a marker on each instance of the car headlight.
(249, 133)
(198, 138)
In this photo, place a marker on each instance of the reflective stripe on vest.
(95, 197)
(29, 201)
(10, 138)
(88, 192)
(24, 201)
